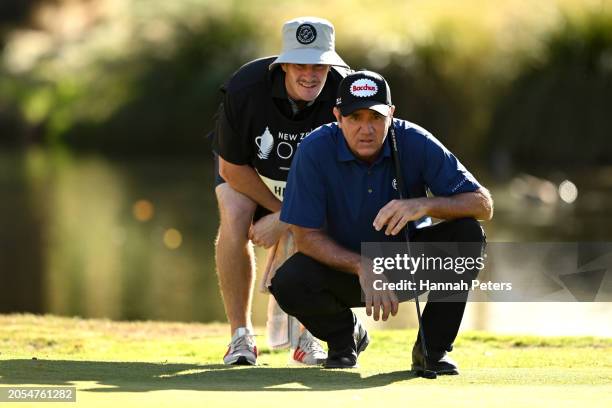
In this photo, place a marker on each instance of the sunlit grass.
(153, 363)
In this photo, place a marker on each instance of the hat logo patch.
(306, 34)
(364, 88)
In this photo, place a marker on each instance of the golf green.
(158, 364)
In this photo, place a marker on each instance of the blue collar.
(344, 154)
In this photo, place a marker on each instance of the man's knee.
(236, 210)
(287, 283)
(468, 230)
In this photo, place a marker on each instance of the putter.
(425, 373)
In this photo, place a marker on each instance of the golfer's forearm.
(321, 247)
(478, 205)
(246, 181)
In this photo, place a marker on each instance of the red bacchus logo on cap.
(364, 88)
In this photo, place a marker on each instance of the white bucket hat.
(309, 40)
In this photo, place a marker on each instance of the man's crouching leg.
(320, 298)
(442, 318)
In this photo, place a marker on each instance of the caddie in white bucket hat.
(309, 40)
(269, 105)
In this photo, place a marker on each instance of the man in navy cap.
(341, 192)
(269, 105)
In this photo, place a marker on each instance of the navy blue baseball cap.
(364, 90)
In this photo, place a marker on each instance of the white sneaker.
(308, 351)
(362, 339)
(242, 350)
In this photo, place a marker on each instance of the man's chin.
(367, 154)
(310, 95)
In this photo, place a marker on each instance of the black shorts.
(259, 211)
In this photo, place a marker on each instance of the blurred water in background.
(133, 239)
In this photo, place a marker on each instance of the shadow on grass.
(140, 377)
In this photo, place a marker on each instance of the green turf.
(156, 364)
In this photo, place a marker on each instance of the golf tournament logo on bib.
(306, 34)
(364, 88)
(264, 143)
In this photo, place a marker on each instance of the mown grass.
(178, 364)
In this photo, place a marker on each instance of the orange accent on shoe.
(299, 355)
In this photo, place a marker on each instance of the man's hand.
(267, 230)
(397, 213)
(377, 300)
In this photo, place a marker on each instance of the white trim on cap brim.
(309, 56)
(381, 108)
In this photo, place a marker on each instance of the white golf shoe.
(308, 351)
(242, 350)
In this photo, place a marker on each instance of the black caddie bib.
(276, 139)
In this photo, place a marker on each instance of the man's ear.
(338, 116)
(284, 67)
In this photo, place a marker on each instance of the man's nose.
(309, 71)
(368, 127)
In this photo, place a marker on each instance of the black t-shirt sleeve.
(230, 141)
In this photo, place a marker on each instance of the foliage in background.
(132, 81)
(558, 109)
(142, 76)
(14, 13)
(173, 97)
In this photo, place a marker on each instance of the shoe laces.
(309, 344)
(244, 342)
